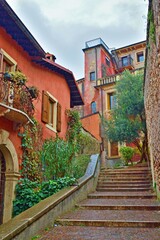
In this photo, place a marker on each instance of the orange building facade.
(58, 91)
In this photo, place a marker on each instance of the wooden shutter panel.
(1, 61)
(45, 107)
(114, 149)
(58, 117)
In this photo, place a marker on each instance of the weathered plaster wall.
(42, 78)
(152, 90)
(91, 124)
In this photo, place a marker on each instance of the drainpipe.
(96, 63)
(103, 153)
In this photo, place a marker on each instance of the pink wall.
(94, 59)
(110, 70)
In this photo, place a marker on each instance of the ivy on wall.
(152, 28)
(58, 155)
(54, 157)
(51, 165)
(32, 142)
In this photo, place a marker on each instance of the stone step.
(119, 207)
(125, 175)
(135, 185)
(100, 233)
(122, 195)
(111, 218)
(120, 204)
(124, 181)
(126, 169)
(123, 189)
(124, 178)
(134, 167)
(125, 172)
(108, 223)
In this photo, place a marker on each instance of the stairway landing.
(123, 207)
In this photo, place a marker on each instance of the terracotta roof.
(76, 98)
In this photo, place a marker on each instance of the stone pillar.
(103, 159)
(10, 183)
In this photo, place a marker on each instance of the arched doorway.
(9, 169)
(2, 184)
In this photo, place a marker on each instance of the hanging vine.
(31, 159)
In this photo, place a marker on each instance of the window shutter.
(58, 117)
(45, 107)
(1, 61)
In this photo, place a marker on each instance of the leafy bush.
(26, 196)
(57, 155)
(88, 144)
(80, 164)
(29, 193)
(127, 154)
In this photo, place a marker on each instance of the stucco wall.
(43, 79)
(152, 92)
(40, 77)
(91, 124)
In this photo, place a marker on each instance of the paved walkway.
(124, 207)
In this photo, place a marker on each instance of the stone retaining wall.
(152, 89)
(43, 214)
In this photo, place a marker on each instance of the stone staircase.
(123, 207)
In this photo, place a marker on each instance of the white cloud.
(63, 26)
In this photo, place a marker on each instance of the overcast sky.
(63, 26)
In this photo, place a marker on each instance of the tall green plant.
(127, 121)
(56, 154)
(74, 126)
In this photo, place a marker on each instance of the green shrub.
(26, 196)
(57, 156)
(80, 164)
(127, 154)
(88, 144)
(29, 193)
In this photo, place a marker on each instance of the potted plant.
(18, 78)
(34, 91)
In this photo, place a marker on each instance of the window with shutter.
(1, 61)
(7, 63)
(45, 107)
(58, 117)
(51, 112)
(114, 149)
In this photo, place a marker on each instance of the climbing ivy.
(152, 29)
(55, 156)
(32, 145)
(58, 155)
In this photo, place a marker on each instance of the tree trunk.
(143, 149)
